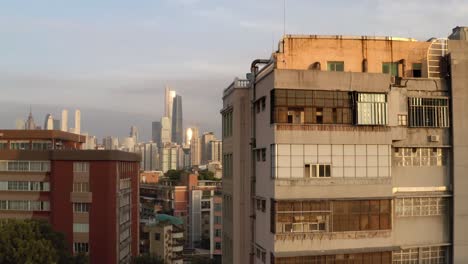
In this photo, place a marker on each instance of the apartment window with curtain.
(227, 123)
(371, 109)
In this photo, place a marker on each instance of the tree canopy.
(207, 176)
(33, 241)
(147, 259)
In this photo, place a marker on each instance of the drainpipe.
(253, 145)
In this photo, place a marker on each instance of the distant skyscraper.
(64, 125)
(20, 124)
(165, 130)
(177, 129)
(30, 124)
(215, 151)
(110, 143)
(188, 136)
(169, 99)
(77, 121)
(134, 133)
(205, 147)
(195, 150)
(49, 122)
(156, 132)
(56, 125)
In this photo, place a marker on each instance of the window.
(406, 256)
(227, 123)
(81, 207)
(3, 145)
(311, 107)
(18, 205)
(157, 236)
(419, 157)
(19, 145)
(80, 166)
(218, 246)
(260, 253)
(390, 68)
(335, 66)
(217, 220)
(217, 207)
(371, 109)
(79, 247)
(428, 112)
(227, 166)
(41, 145)
(81, 187)
(217, 232)
(263, 150)
(17, 165)
(205, 205)
(420, 206)
(437, 255)
(359, 258)
(402, 120)
(417, 70)
(317, 170)
(80, 228)
(261, 204)
(330, 216)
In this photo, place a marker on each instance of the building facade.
(177, 118)
(349, 151)
(90, 196)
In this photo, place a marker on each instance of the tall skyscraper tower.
(49, 122)
(156, 132)
(134, 133)
(64, 125)
(169, 99)
(177, 129)
(77, 121)
(30, 124)
(165, 130)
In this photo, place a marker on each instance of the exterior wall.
(237, 228)
(300, 52)
(459, 68)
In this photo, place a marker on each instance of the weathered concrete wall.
(459, 72)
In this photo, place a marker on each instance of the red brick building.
(89, 195)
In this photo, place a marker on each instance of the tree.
(174, 175)
(33, 241)
(207, 176)
(147, 259)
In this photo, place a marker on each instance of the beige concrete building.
(348, 150)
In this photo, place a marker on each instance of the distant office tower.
(110, 143)
(20, 124)
(30, 124)
(134, 133)
(90, 143)
(205, 146)
(77, 121)
(156, 132)
(64, 125)
(215, 151)
(169, 99)
(56, 124)
(195, 151)
(176, 128)
(188, 136)
(49, 122)
(186, 159)
(165, 130)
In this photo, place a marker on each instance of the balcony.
(177, 248)
(177, 235)
(331, 127)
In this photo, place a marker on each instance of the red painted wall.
(61, 185)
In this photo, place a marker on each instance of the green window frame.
(337, 66)
(390, 68)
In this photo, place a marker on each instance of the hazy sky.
(111, 58)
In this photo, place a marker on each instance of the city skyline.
(79, 33)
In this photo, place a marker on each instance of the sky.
(113, 58)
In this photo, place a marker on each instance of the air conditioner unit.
(434, 138)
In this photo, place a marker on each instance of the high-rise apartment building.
(64, 124)
(156, 132)
(195, 150)
(134, 133)
(215, 152)
(205, 140)
(90, 196)
(348, 150)
(169, 157)
(165, 130)
(177, 125)
(56, 124)
(110, 143)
